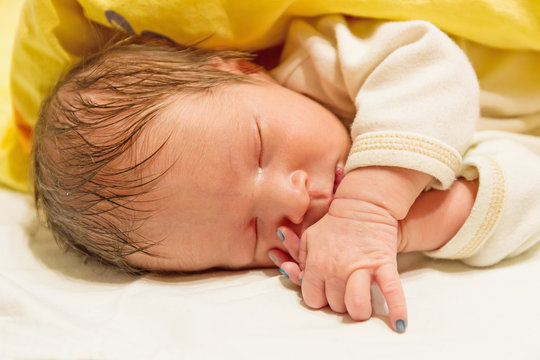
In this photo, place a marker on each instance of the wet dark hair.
(85, 182)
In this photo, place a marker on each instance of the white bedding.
(53, 306)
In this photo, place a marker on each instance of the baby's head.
(152, 156)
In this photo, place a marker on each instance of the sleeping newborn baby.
(151, 156)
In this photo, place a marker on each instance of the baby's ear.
(243, 67)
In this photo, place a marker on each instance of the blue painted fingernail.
(280, 235)
(272, 257)
(300, 279)
(400, 325)
(284, 273)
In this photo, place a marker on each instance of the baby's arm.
(428, 220)
(436, 216)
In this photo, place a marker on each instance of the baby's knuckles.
(314, 298)
(338, 246)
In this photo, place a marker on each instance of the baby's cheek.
(243, 259)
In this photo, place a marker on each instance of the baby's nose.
(294, 198)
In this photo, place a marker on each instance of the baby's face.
(249, 158)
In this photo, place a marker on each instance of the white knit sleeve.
(505, 218)
(411, 92)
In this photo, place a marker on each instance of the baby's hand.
(342, 254)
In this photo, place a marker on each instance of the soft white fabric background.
(52, 306)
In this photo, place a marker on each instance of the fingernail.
(280, 235)
(400, 325)
(300, 279)
(272, 257)
(284, 273)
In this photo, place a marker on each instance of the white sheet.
(52, 306)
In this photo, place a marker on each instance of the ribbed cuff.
(406, 150)
(485, 213)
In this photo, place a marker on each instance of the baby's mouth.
(323, 200)
(339, 174)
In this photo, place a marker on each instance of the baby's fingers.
(313, 291)
(335, 294)
(278, 256)
(290, 240)
(291, 271)
(286, 265)
(389, 282)
(358, 295)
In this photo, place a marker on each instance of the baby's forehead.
(209, 144)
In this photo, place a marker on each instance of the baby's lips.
(339, 174)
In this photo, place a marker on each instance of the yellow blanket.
(54, 34)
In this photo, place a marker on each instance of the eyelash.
(256, 220)
(260, 142)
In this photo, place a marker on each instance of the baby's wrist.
(392, 188)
